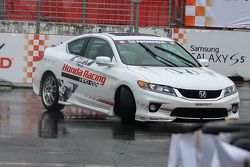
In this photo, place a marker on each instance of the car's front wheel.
(127, 106)
(50, 92)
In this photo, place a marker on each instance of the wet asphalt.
(73, 137)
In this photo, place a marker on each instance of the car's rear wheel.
(50, 92)
(127, 106)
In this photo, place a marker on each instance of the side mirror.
(103, 61)
(204, 62)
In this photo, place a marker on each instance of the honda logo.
(202, 94)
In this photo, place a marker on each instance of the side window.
(98, 47)
(75, 47)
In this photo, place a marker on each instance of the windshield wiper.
(185, 61)
(165, 61)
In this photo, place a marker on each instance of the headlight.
(230, 90)
(156, 88)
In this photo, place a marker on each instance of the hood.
(196, 78)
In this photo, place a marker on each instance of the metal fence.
(2, 9)
(132, 13)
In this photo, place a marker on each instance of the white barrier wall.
(19, 54)
(227, 51)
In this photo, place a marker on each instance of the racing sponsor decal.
(81, 61)
(220, 52)
(66, 89)
(140, 41)
(214, 54)
(145, 41)
(83, 76)
(183, 71)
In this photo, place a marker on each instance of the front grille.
(195, 94)
(200, 112)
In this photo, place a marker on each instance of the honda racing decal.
(83, 76)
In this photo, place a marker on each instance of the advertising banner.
(227, 51)
(19, 54)
(218, 13)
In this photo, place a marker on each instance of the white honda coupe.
(135, 76)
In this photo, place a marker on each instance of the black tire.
(50, 92)
(127, 106)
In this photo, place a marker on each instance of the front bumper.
(170, 104)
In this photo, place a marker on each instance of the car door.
(96, 87)
(69, 80)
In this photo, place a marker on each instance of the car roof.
(132, 36)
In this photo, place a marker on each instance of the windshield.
(154, 53)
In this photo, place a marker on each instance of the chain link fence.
(34, 16)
